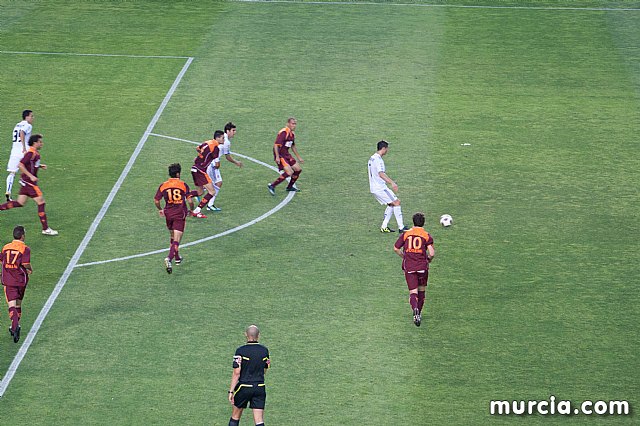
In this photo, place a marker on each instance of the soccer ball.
(446, 220)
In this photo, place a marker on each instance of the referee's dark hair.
(418, 219)
(18, 232)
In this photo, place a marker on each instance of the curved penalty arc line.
(280, 205)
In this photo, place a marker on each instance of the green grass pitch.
(520, 120)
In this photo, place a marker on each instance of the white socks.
(387, 216)
(10, 178)
(397, 211)
(213, 199)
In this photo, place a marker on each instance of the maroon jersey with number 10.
(414, 242)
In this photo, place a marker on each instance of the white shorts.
(385, 196)
(14, 160)
(214, 173)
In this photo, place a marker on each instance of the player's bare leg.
(258, 416)
(235, 416)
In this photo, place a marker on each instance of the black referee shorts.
(256, 395)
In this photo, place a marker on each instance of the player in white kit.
(19, 148)
(214, 168)
(378, 181)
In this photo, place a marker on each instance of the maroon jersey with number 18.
(414, 242)
(15, 255)
(174, 191)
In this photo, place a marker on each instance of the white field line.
(450, 6)
(87, 238)
(96, 54)
(280, 205)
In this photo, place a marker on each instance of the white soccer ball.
(446, 220)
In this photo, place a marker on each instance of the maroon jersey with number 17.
(15, 255)
(174, 191)
(414, 242)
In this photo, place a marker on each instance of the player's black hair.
(34, 138)
(217, 134)
(229, 126)
(26, 113)
(18, 232)
(174, 170)
(418, 219)
(382, 144)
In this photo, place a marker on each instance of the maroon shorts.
(175, 223)
(14, 293)
(286, 161)
(31, 191)
(200, 178)
(416, 279)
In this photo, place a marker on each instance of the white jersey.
(225, 148)
(25, 127)
(376, 165)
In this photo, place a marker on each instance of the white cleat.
(49, 231)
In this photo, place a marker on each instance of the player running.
(175, 193)
(415, 247)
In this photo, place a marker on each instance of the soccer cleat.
(198, 215)
(49, 231)
(213, 208)
(15, 334)
(386, 230)
(417, 318)
(178, 260)
(292, 189)
(8, 197)
(272, 189)
(167, 264)
(404, 229)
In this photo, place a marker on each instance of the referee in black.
(247, 382)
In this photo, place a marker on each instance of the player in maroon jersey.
(16, 268)
(415, 246)
(286, 163)
(29, 166)
(208, 151)
(175, 193)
